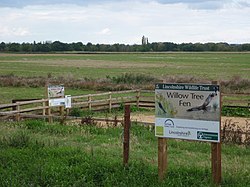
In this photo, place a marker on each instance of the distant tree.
(169, 46)
(26, 47)
(77, 46)
(245, 47)
(14, 47)
(59, 46)
(2, 46)
(89, 46)
(155, 46)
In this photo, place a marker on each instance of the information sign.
(55, 91)
(188, 111)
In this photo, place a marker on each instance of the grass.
(119, 71)
(35, 153)
(9, 93)
(202, 65)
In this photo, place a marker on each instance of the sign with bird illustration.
(55, 91)
(188, 111)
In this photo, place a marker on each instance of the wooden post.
(126, 135)
(48, 111)
(110, 102)
(18, 112)
(138, 98)
(216, 154)
(162, 158)
(14, 107)
(50, 119)
(44, 110)
(61, 109)
(89, 102)
(216, 162)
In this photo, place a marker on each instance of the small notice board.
(188, 111)
(55, 91)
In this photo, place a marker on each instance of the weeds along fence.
(39, 108)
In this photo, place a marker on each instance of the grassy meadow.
(35, 153)
(211, 66)
(30, 71)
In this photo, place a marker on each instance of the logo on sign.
(169, 123)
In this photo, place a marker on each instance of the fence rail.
(40, 108)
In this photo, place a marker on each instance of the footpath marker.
(190, 112)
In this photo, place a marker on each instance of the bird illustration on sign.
(163, 107)
(204, 106)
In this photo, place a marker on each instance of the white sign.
(57, 102)
(187, 111)
(55, 91)
(68, 101)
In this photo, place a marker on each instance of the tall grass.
(85, 155)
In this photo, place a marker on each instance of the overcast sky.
(125, 21)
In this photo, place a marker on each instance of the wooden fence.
(40, 108)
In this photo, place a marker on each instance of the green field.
(209, 66)
(203, 67)
(34, 153)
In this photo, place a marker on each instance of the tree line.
(58, 46)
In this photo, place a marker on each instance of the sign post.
(162, 158)
(56, 98)
(190, 112)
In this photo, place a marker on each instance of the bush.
(130, 78)
(77, 112)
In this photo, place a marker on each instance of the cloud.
(24, 3)
(105, 31)
(127, 21)
(193, 4)
(19, 31)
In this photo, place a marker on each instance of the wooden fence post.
(138, 98)
(48, 110)
(89, 102)
(44, 109)
(18, 112)
(162, 158)
(110, 102)
(14, 107)
(126, 135)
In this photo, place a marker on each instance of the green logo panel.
(207, 135)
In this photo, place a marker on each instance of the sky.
(125, 21)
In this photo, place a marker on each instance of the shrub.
(130, 78)
(77, 112)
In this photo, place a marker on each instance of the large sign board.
(55, 91)
(188, 111)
